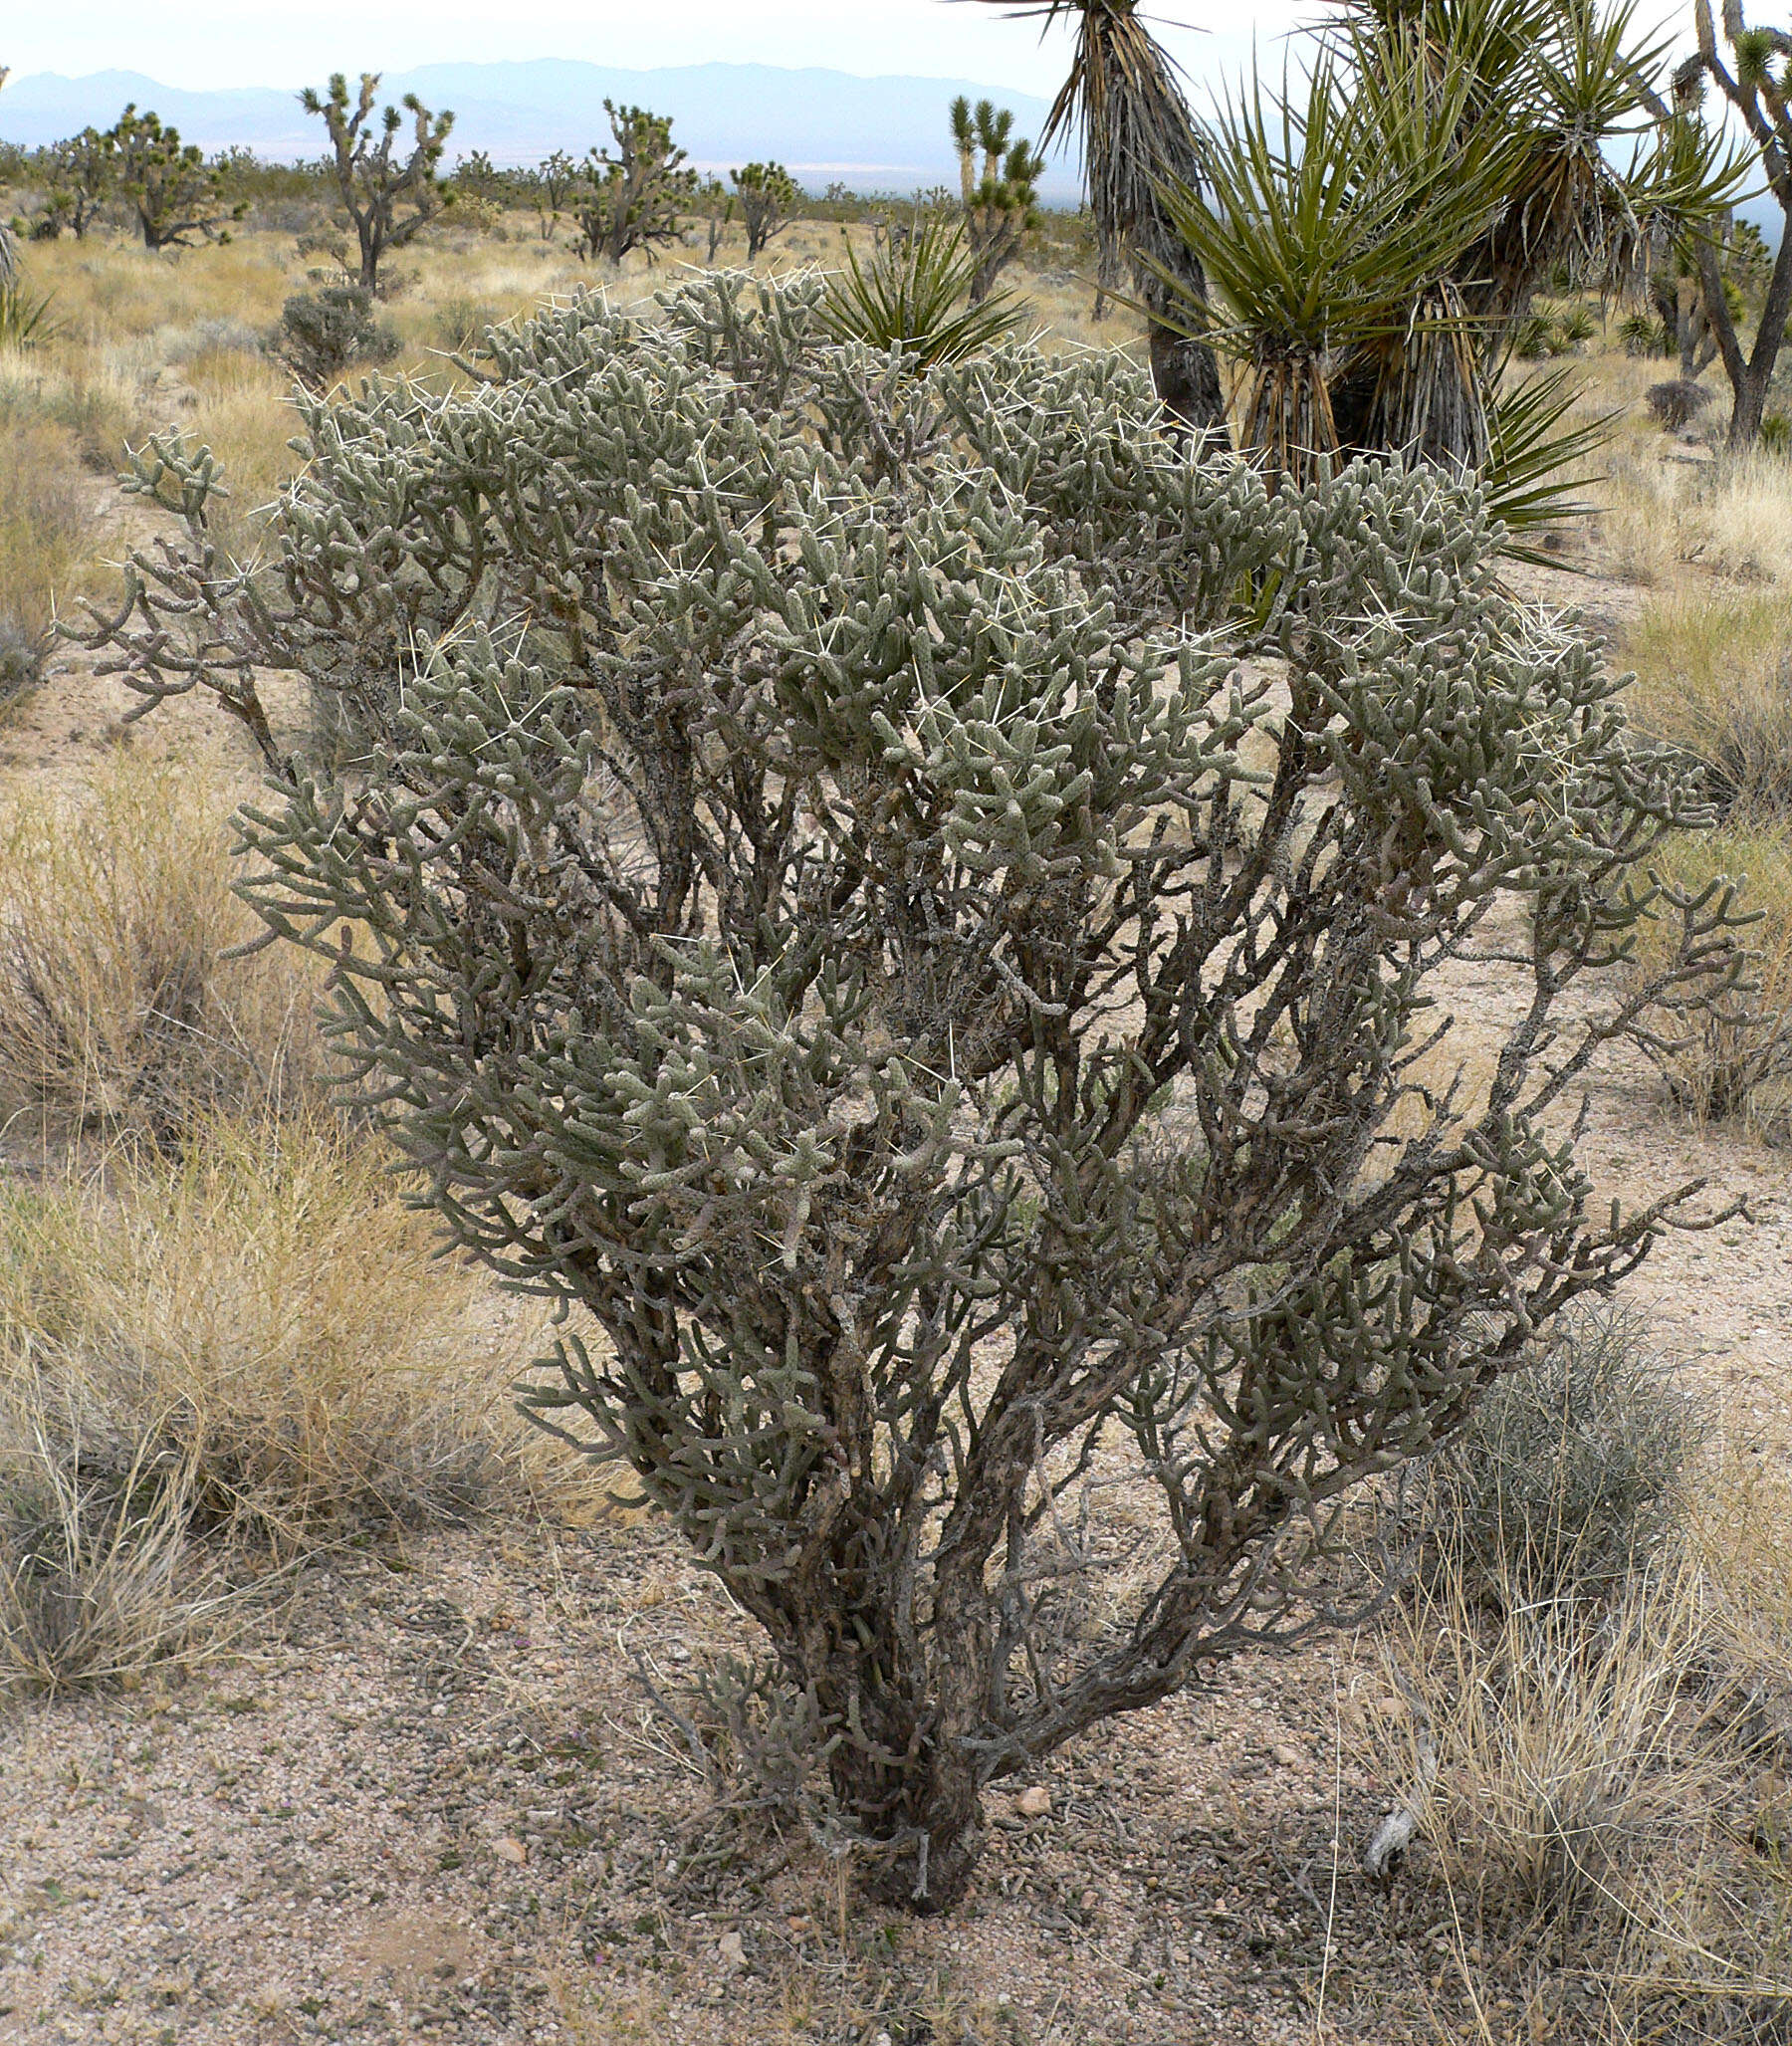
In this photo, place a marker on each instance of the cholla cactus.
(818, 895)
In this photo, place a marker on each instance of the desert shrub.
(1776, 434)
(1730, 1061)
(324, 335)
(812, 905)
(117, 1007)
(1676, 404)
(265, 1313)
(1569, 1477)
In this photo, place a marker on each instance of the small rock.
(1390, 1708)
(1034, 1802)
(733, 1953)
(1287, 1756)
(511, 1850)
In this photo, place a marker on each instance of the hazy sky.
(202, 43)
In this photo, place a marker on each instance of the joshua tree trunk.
(1185, 376)
(1751, 374)
(1138, 134)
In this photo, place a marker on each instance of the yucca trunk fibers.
(1138, 136)
(1289, 424)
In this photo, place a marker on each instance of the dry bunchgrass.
(100, 1578)
(1596, 1757)
(104, 294)
(1713, 677)
(1672, 519)
(118, 1006)
(48, 525)
(1731, 1063)
(266, 1313)
(99, 397)
(244, 414)
(1600, 1835)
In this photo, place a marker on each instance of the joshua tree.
(479, 177)
(1123, 100)
(550, 184)
(632, 200)
(963, 1057)
(80, 176)
(767, 194)
(375, 182)
(175, 194)
(997, 200)
(717, 205)
(1752, 76)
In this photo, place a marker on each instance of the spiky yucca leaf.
(1529, 480)
(24, 316)
(1318, 250)
(908, 297)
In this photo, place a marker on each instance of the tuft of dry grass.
(117, 1007)
(1731, 1063)
(48, 525)
(97, 397)
(244, 414)
(100, 1580)
(1671, 517)
(110, 294)
(1713, 677)
(1600, 1838)
(268, 1314)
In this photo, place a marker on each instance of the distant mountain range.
(872, 133)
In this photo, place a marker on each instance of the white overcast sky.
(207, 43)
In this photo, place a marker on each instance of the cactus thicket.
(819, 892)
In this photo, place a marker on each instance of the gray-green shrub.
(818, 894)
(1568, 1477)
